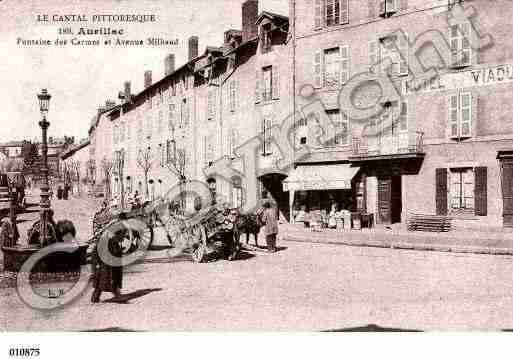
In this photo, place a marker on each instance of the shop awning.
(323, 177)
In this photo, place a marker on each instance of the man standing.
(270, 221)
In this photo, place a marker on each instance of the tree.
(107, 167)
(175, 163)
(145, 163)
(119, 165)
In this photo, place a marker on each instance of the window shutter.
(318, 12)
(258, 92)
(403, 116)
(214, 99)
(236, 95)
(403, 54)
(275, 82)
(187, 113)
(465, 114)
(454, 37)
(344, 11)
(480, 191)
(465, 44)
(344, 64)
(318, 69)
(453, 115)
(441, 191)
(374, 56)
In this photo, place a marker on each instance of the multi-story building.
(438, 144)
(12, 149)
(101, 147)
(179, 126)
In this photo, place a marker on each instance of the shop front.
(321, 189)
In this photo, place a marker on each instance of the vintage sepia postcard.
(255, 165)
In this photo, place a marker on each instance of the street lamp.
(44, 105)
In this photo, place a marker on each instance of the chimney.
(193, 47)
(147, 79)
(249, 18)
(169, 64)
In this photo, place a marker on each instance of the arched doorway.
(271, 187)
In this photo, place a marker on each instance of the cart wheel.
(199, 253)
(199, 249)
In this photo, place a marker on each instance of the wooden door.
(384, 200)
(507, 192)
(396, 200)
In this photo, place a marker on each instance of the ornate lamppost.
(44, 105)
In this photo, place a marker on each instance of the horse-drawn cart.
(204, 234)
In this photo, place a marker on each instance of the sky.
(81, 78)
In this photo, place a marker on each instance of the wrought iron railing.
(392, 144)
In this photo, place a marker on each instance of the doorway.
(507, 192)
(272, 188)
(389, 200)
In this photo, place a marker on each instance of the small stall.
(318, 192)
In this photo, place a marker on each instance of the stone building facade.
(198, 114)
(439, 144)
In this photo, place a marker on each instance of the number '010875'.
(23, 352)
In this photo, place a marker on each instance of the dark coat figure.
(270, 220)
(107, 278)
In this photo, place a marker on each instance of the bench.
(428, 223)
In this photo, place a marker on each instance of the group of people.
(109, 277)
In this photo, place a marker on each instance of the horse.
(249, 223)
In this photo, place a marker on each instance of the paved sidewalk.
(496, 242)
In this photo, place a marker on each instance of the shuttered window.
(267, 125)
(330, 13)
(332, 67)
(462, 189)
(267, 83)
(275, 83)
(403, 117)
(460, 45)
(374, 56)
(160, 124)
(258, 91)
(211, 105)
(318, 14)
(232, 95)
(331, 74)
(387, 7)
(318, 69)
(171, 117)
(394, 48)
(460, 115)
(344, 64)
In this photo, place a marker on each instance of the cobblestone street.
(305, 286)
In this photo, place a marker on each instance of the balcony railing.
(394, 144)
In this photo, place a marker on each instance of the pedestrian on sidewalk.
(107, 277)
(270, 221)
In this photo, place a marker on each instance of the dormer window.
(266, 38)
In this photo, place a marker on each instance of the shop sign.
(491, 75)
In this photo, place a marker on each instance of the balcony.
(388, 146)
